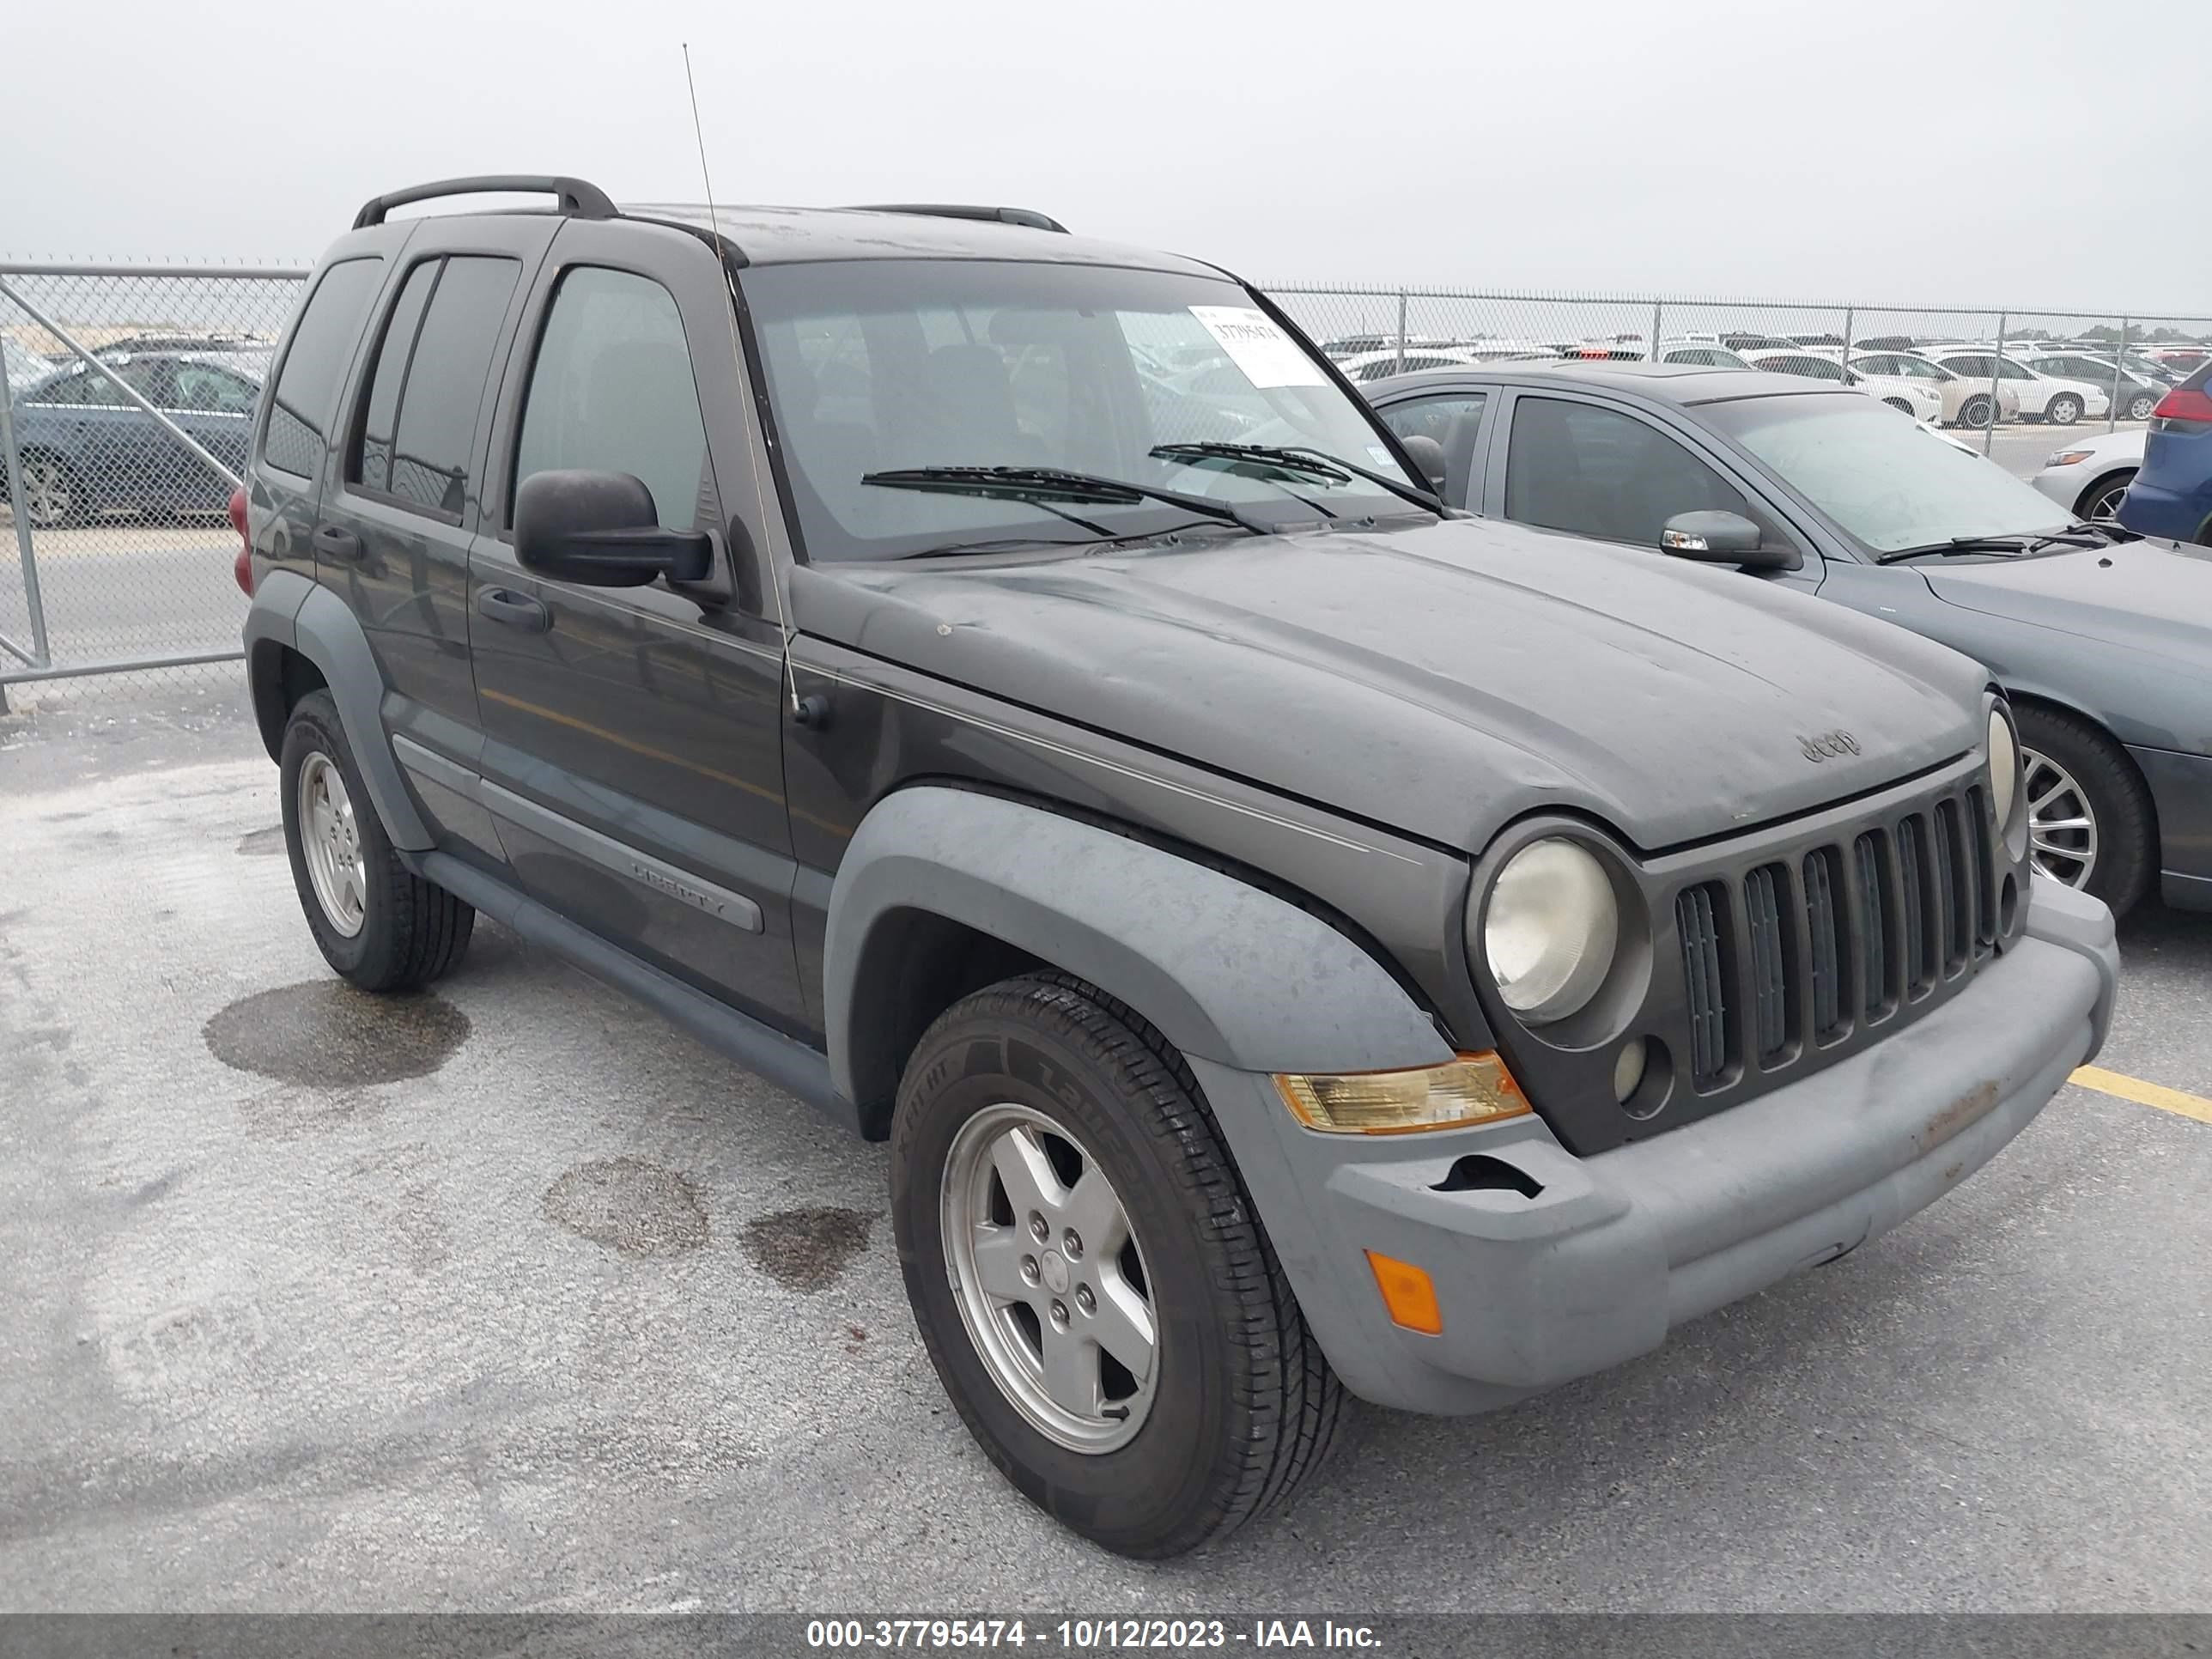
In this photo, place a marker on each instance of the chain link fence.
(131, 395)
(131, 388)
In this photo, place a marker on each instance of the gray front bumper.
(1616, 1249)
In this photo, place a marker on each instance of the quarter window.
(612, 391)
(1598, 472)
(322, 345)
(419, 422)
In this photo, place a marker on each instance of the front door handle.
(511, 609)
(342, 546)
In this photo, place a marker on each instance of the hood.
(2142, 598)
(1439, 680)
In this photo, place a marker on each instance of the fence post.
(21, 513)
(1997, 362)
(1657, 307)
(1399, 366)
(1846, 360)
(2119, 356)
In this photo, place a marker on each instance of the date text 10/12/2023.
(1089, 1635)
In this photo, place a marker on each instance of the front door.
(633, 737)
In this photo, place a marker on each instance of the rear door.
(634, 735)
(406, 498)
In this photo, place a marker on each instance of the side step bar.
(783, 1060)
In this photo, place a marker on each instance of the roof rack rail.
(1004, 215)
(579, 199)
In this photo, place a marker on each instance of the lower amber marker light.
(1408, 1294)
(1468, 1089)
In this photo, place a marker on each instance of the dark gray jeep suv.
(1297, 938)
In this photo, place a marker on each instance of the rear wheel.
(2090, 822)
(1093, 1286)
(2063, 410)
(2140, 406)
(376, 922)
(2101, 500)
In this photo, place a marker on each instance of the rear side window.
(419, 421)
(322, 345)
(612, 391)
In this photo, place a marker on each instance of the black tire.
(2119, 803)
(412, 930)
(1975, 412)
(2063, 410)
(1245, 1407)
(1902, 405)
(2141, 404)
(2101, 500)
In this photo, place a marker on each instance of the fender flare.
(290, 611)
(1227, 972)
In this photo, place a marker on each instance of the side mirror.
(1723, 538)
(1428, 455)
(601, 529)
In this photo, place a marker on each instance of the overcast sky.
(2001, 151)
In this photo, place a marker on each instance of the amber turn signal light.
(1407, 1294)
(1468, 1089)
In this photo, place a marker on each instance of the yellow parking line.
(2144, 1094)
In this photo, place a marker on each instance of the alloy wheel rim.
(330, 840)
(2061, 826)
(1049, 1278)
(46, 493)
(2107, 504)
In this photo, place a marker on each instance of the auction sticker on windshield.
(1266, 354)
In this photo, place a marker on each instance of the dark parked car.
(87, 449)
(2134, 396)
(1289, 950)
(2103, 642)
(2171, 496)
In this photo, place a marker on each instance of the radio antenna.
(738, 362)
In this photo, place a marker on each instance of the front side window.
(419, 421)
(1602, 473)
(1455, 422)
(612, 391)
(322, 345)
(1884, 481)
(881, 366)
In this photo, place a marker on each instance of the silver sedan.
(2088, 477)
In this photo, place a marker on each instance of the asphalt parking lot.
(512, 1297)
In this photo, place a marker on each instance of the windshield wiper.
(1313, 462)
(1048, 484)
(1042, 544)
(2017, 546)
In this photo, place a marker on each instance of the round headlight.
(1552, 929)
(2005, 766)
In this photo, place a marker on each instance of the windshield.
(1883, 480)
(881, 366)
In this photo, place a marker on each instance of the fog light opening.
(1654, 1084)
(1628, 1070)
(1478, 1172)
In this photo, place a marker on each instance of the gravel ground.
(511, 1297)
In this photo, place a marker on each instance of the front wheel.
(376, 922)
(1094, 1288)
(2090, 821)
(2101, 500)
(2063, 410)
(1976, 411)
(1903, 406)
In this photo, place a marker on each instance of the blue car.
(2171, 496)
(86, 449)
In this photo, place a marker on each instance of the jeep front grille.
(1795, 955)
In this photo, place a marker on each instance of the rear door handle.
(511, 609)
(342, 545)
